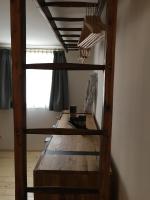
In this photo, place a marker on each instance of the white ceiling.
(39, 32)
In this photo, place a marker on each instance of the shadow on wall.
(118, 190)
(139, 6)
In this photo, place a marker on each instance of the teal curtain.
(5, 79)
(59, 99)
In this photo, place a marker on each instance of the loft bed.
(67, 33)
(18, 38)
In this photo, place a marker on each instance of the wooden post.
(18, 43)
(108, 104)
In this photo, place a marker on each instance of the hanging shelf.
(93, 30)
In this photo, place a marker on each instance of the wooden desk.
(70, 161)
(63, 121)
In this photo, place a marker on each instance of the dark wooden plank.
(70, 41)
(78, 166)
(71, 35)
(48, 15)
(105, 160)
(61, 190)
(18, 46)
(65, 66)
(72, 46)
(69, 29)
(69, 179)
(66, 19)
(64, 131)
(69, 4)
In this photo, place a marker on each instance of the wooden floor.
(7, 183)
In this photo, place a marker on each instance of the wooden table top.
(63, 122)
(71, 152)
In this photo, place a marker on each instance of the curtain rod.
(37, 48)
(44, 50)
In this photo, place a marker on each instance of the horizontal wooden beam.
(66, 19)
(72, 35)
(65, 66)
(69, 29)
(70, 41)
(69, 4)
(62, 190)
(63, 131)
(73, 45)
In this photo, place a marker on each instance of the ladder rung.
(71, 35)
(62, 190)
(75, 45)
(65, 66)
(72, 46)
(66, 19)
(70, 41)
(63, 131)
(69, 29)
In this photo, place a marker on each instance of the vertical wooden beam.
(18, 44)
(108, 105)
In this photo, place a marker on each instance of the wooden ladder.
(18, 39)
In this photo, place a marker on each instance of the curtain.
(59, 99)
(5, 79)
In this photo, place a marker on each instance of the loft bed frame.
(18, 38)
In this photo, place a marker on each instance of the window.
(38, 82)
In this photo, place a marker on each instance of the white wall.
(41, 118)
(99, 58)
(38, 118)
(78, 81)
(131, 115)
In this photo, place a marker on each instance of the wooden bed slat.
(64, 131)
(65, 66)
(70, 41)
(66, 19)
(69, 29)
(71, 35)
(48, 15)
(62, 190)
